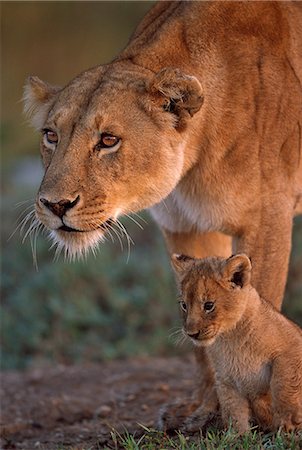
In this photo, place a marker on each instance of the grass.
(212, 439)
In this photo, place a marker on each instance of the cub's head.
(214, 294)
(112, 143)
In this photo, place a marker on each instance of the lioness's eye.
(107, 141)
(209, 306)
(50, 136)
(183, 306)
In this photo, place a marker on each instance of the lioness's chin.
(76, 244)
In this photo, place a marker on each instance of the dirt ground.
(80, 405)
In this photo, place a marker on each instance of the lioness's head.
(112, 143)
(214, 294)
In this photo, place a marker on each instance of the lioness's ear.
(37, 99)
(237, 270)
(181, 263)
(179, 93)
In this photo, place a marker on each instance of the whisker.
(20, 226)
(108, 231)
(165, 205)
(32, 205)
(111, 227)
(19, 204)
(133, 220)
(31, 227)
(139, 217)
(175, 333)
(30, 216)
(58, 251)
(178, 337)
(182, 339)
(129, 239)
(35, 237)
(123, 229)
(96, 225)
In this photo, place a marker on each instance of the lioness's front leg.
(199, 245)
(267, 241)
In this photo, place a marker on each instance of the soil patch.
(79, 406)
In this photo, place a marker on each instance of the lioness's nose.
(193, 335)
(59, 208)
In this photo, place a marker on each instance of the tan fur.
(255, 351)
(206, 99)
(227, 157)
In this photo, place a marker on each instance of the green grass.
(210, 440)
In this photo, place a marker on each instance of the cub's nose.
(193, 335)
(59, 208)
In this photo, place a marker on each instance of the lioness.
(255, 351)
(200, 119)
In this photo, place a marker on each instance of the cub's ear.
(237, 270)
(181, 263)
(177, 92)
(37, 99)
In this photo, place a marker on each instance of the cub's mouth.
(204, 339)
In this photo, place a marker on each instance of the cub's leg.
(234, 408)
(267, 241)
(173, 415)
(286, 391)
(262, 411)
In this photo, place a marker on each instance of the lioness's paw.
(198, 420)
(173, 415)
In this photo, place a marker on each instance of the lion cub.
(255, 351)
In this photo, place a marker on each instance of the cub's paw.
(173, 415)
(288, 422)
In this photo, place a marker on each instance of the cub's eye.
(108, 141)
(209, 306)
(50, 137)
(183, 306)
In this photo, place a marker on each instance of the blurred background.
(106, 307)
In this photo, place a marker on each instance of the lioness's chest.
(179, 213)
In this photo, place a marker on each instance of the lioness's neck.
(150, 45)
